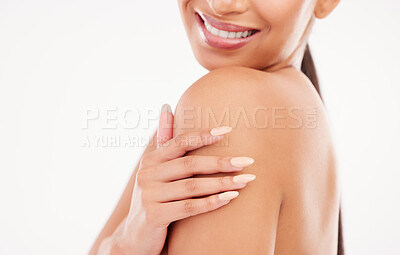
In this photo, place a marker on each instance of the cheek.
(282, 15)
(182, 4)
(183, 9)
(186, 12)
(287, 21)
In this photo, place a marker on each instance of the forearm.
(124, 243)
(116, 218)
(110, 245)
(122, 209)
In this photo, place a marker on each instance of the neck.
(293, 61)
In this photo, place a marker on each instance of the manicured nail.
(220, 130)
(244, 178)
(228, 195)
(166, 108)
(241, 161)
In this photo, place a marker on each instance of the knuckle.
(189, 207)
(209, 203)
(189, 162)
(224, 182)
(179, 140)
(205, 137)
(155, 216)
(190, 185)
(146, 197)
(152, 214)
(142, 177)
(221, 162)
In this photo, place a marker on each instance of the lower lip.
(219, 42)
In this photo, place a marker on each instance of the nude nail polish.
(228, 195)
(241, 161)
(166, 108)
(220, 130)
(244, 178)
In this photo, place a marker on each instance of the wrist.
(121, 245)
(117, 249)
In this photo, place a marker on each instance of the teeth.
(214, 31)
(223, 34)
(227, 34)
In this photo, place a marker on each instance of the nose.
(221, 7)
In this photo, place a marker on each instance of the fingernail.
(166, 108)
(244, 178)
(228, 195)
(220, 130)
(241, 161)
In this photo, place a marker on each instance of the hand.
(163, 191)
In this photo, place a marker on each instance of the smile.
(224, 35)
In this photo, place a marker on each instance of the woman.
(254, 114)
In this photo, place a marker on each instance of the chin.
(214, 61)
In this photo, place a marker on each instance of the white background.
(60, 58)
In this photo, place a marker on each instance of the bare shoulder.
(289, 85)
(281, 108)
(279, 120)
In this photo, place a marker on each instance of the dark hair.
(308, 68)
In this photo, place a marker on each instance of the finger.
(165, 125)
(182, 143)
(177, 210)
(188, 166)
(197, 187)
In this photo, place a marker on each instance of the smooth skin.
(292, 206)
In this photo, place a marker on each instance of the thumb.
(165, 125)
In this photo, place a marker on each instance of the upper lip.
(224, 26)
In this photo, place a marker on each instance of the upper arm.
(267, 127)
